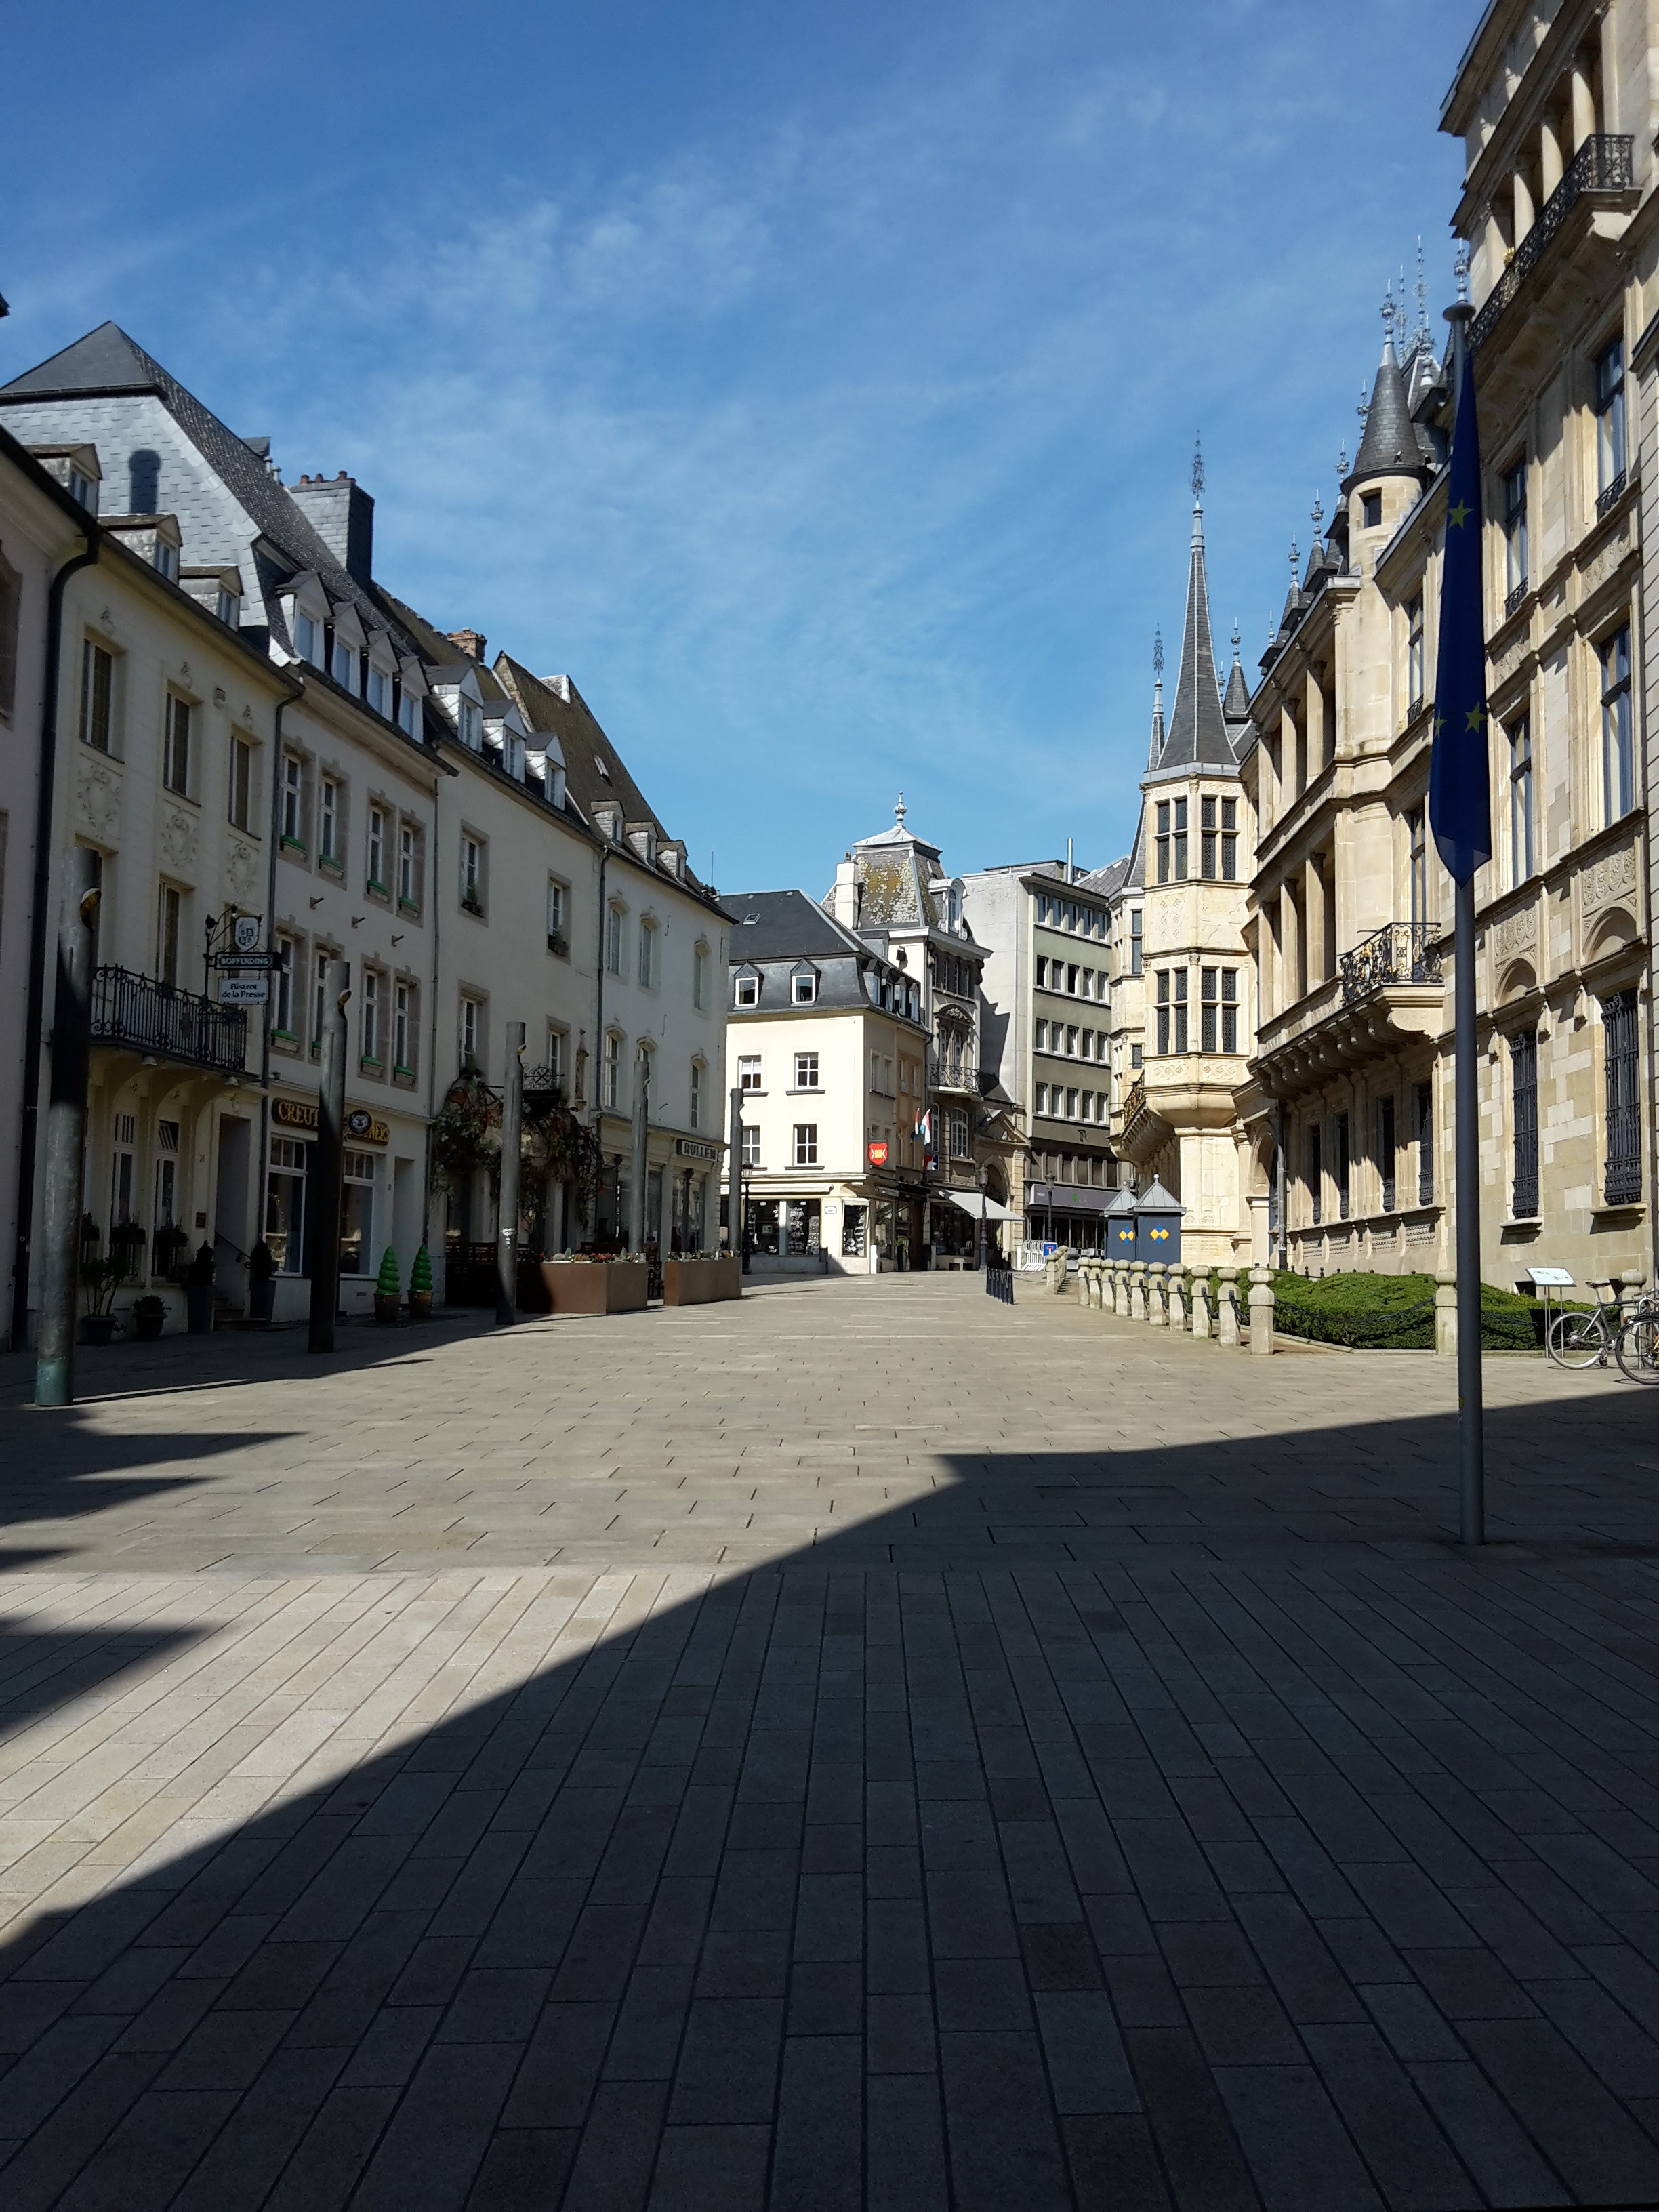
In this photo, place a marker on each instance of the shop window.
(803, 1226)
(356, 1213)
(285, 1205)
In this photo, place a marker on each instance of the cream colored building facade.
(1183, 1015)
(1350, 1108)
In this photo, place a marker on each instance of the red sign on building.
(878, 1156)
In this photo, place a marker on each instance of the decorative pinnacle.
(1296, 563)
(1342, 461)
(1461, 269)
(1198, 471)
(1158, 652)
(1234, 641)
(1317, 512)
(898, 811)
(1424, 342)
(1364, 406)
(1387, 314)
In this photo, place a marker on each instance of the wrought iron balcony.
(1399, 953)
(137, 1011)
(1602, 164)
(1609, 497)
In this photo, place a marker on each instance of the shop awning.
(969, 1201)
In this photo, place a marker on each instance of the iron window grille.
(1622, 1178)
(1523, 1082)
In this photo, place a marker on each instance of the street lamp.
(979, 1177)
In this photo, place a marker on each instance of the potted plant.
(98, 1279)
(420, 1287)
(148, 1315)
(199, 1292)
(388, 1296)
(262, 1282)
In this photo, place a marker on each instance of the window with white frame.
(293, 814)
(175, 745)
(803, 987)
(751, 1157)
(956, 1124)
(308, 637)
(240, 809)
(746, 990)
(806, 1144)
(404, 1028)
(408, 708)
(749, 1071)
(409, 864)
(371, 1018)
(1514, 485)
(1519, 734)
(472, 1032)
(472, 872)
(379, 690)
(558, 895)
(344, 670)
(556, 1055)
(611, 1092)
(328, 820)
(377, 829)
(613, 940)
(97, 696)
(1610, 421)
(806, 1071)
(282, 988)
(697, 1094)
(470, 719)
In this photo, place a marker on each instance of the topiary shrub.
(386, 1284)
(420, 1275)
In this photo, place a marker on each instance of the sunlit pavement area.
(866, 1746)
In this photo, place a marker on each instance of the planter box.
(697, 1282)
(597, 1287)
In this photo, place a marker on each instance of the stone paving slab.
(867, 1747)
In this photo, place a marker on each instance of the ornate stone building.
(1350, 1107)
(1183, 1015)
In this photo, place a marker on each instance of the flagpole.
(1471, 1406)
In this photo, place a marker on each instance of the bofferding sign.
(361, 1126)
(878, 1156)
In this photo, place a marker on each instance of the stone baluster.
(1120, 1289)
(1137, 1291)
(1200, 1302)
(1176, 1278)
(1261, 1311)
(1445, 1315)
(1156, 1315)
(1227, 1317)
(1629, 1292)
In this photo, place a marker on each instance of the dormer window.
(406, 712)
(747, 992)
(472, 724)
(83, 491)
(308, 638)
(380, 690)
(343, 666)
(803, 987)
(167, 559)
(228, 605)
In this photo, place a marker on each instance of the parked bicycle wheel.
(1576, 1339)
(1637, 1345)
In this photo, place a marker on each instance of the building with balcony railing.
(1350, 1103)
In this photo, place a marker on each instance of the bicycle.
(1577, 1339)
(1636, 1347)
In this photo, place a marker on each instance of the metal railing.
(1602, 164)
(137, 1011)
(1134, 1100)
(1399, 953)
(1609, 497)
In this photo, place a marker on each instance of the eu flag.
(1459, 803)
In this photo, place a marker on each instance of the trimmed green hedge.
(1388, 1313)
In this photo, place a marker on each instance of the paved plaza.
(868, 1746)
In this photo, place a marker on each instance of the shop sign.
(878, 1156)
(245, 991)
(361, 1126)
(693, 1148)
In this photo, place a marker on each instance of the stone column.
(1260, 1237)
(1583, 109)
(1261, 1311)
(1550, 164)
(1156, 1315)
(1525, 215)
(1200, 1302)
(1227, 1315)
(1137, 1291)
(1313, 917)
(1445, 1315)
(1177, 1282)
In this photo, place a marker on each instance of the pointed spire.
(1156, 747)
(1389, 447)
(1197, 731)
(1425, 336)
(1235, 706)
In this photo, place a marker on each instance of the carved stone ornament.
(178, 839)
(108, 620)
(1608, 877)
(1516, 932)
(242, 870)
(98, 799)
(1606, 559)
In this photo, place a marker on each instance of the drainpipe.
(598, 1037)
(38, 929)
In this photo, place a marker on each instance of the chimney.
(468, 642)
(343, 515)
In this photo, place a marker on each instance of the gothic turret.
(1198, 731)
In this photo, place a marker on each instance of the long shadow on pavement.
(1188, 1826)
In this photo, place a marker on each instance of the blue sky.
(818, 385)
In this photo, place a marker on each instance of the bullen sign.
(693, 1148)
(878, 1156)
(361, 1127)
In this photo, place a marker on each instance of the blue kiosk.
(1157, 1217)
(1119, 1223)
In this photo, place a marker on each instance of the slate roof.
(787, 925)
(1390, 446)
(1236, 704)
(1198, 731)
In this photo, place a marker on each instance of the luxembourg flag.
(924, 1129)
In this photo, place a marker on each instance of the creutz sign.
(361, 1127)
(878, 1156)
